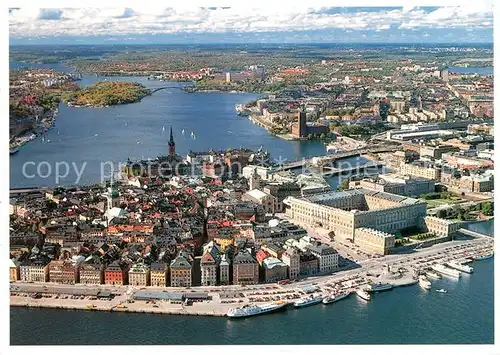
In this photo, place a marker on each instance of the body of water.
(471, 70)
(407, 315)
(89, 138)
(92, 136)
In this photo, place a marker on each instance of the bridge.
(153, 90)
(321, 161)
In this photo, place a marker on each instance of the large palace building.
(347, 211)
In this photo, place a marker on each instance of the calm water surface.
(93, 136)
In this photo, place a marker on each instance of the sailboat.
(43, 139)
(182, 132)
(163, 128)
(192, 134)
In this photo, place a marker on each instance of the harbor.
(374, 276)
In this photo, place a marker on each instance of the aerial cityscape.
(321, 176)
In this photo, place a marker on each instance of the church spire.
(171, 144)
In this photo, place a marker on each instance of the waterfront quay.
(396, 269)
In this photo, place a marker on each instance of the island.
(106, 93)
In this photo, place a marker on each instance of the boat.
(446, 271)
(484, 257)
(334, 298)
(192, 134)
(433, 275)
(308, 301)
(363, 294)
(163, 128)
(379, 287)
(255, 310)
(465, 268)
(182, 132)
(424, 283)
(14, 150)
(442, 290)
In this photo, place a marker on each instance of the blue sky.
(146, 24)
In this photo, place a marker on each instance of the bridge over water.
(330, 158)
(153, 90)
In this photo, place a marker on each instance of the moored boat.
(334, 298)
(484, 257)
(363, 294)
(307, 301)
(424, 283)
(13, 150)
(254, 310)
(379, 287)
(464, 268)
(446, 271)
(433, 275)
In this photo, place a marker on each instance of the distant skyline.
(290, 24)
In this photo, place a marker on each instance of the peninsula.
(106, 93)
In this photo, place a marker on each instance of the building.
(209, 264)
(345, 211)
(396, 184)
(328, 258)
(13, 270)
(291, 258)
(274, 269)
(245, 269)
(171, 144)
(308, 264)
(139, 275)
(116, 273)
(436, 152)
(224, 269)
(441, 227)
(299, 129)
(64, 272)
(267, 201)
(370, 240)
(397, 106)
(422, 169)
(91, 274)
(159, 274)
(34, 271)
(181, 270)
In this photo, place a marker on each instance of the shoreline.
(219, 300)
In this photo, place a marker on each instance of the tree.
(344, 185)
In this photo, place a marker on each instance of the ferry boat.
(242, 111)
(14, 150)
(484, 257)
(442, 290)
(255, 310)
(308, 301)
(379, 287)
(446, 271)
(465, 268)
(424, 283)
(334, 298)
(363, 294)
(433, 275)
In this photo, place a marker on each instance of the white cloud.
(155, 20)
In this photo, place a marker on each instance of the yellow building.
(374, 241)
(441, 227)
(224, 240)
(13, 271)
(343, 212)
(159, 274)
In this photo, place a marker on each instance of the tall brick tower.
(302, 121)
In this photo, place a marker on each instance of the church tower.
(113, 197)
(171, 144)
(254, 181)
